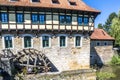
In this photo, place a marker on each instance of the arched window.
(46, 41)
(62, 41)
(27, 41)
(78, 40)
(8, 42)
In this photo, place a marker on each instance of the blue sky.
(105, 6)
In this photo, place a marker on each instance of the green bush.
(115, 60)
(105, 75)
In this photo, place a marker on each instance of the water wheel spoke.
(32, 58)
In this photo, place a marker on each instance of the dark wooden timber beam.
(52, 19)
(8, 19)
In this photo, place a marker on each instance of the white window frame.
(23, 40)
(42, 41)
(98, 42)
(4, 41)
(65, 40)
(80, 40)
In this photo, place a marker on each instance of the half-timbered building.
(59, 29)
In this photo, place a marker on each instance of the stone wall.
(63, 59)
(67, 75)
(101, 54)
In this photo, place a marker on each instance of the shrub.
(105, 75)
(115, 60)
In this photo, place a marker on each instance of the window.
(19, 18)
(35, 0)
(80, 21)
(34, 18)
(8, 42)
(42, 18)
(62, 41)
(4, 17)
(86, 21)
(77, 41)
(91, 19)
(68, 19)
(97, 43)
(55, 1)
(62, 19)
(65, 19)
(72, 3)
(38, 19)
(105, 44)
(45, 41)
(27, 42)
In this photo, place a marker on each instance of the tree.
(100, 26)
(108, 23)
(115, 29)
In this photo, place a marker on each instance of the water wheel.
(33, 60)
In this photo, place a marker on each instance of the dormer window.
(35, 0)
(72, 2)
(55, 1)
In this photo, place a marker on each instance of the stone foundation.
(63, 58)
(66, 75)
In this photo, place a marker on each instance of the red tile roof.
(63, 4)
(100, 34)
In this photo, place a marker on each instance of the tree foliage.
(112, 27)
(115, 29)
(108, 22)
(100, 26)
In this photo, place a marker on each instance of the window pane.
(62, 41)
(55, 1)
(45, 40)
(62, 19)
(77, 41)
(68, 19)
(34, 18)
(35, 0)
(79, 20)
(42, 18)
(19, 17)
(4, 17)
(86, 21)
(8, 41)
(27, 42)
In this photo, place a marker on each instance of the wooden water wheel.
(32, 59)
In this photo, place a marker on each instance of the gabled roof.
(63, 4)
(100, 34)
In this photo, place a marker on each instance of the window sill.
(78, 47)
(86, 24)
(46, 47)
(28, 48)
(80, 25)
(19, 23)
(63, 46)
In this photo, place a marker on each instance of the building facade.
(58, 28)
(101, 47)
